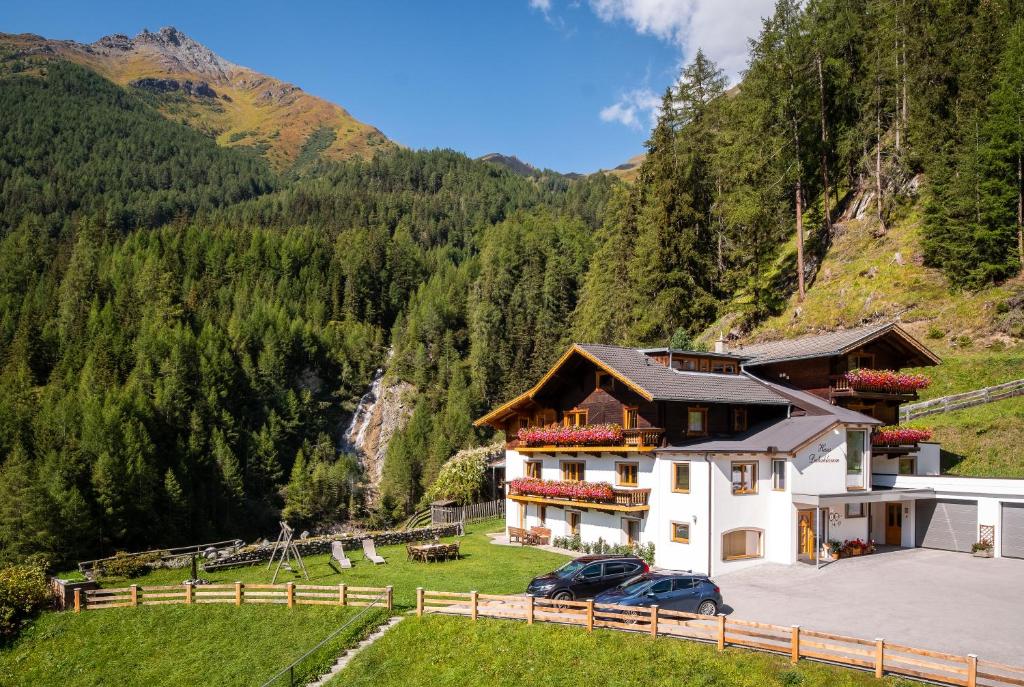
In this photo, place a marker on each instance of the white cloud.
(637, 109)
(542, 5)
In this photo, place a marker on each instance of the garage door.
(1013, 530)
(947, 524)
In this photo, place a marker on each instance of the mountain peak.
(174, 50)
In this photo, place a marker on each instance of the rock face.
(172, 50)
(199, 89)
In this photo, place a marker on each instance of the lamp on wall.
(694, 519)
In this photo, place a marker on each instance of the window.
(572, 471)
(572, 520)
(908, 466)
(730, 369)
(626, 474)
(855, 510)
(603, 380)
(575, 418)
(739, 419)
(718, 367)
(744, 478)
(696, 420)
(524, 422)
(855, 458)
(661, 587)
(689, 364)
(859, 361)
(740, 544)
(681, 584)
(618, 569)
(542, 514)
(533, 469)
(591, 572)
(631, 528)
(681, 532)
(629, 417)
(779, 475)
(681, 478)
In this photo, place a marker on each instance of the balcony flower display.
(899, 436)
(572, 491)
(886, 381)
(586, 435)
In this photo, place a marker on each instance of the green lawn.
(436, 650)
(983, 441)
(484, 567)
(967, 371)
(177, 645)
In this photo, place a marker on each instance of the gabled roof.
(830, 344)
(651, 380)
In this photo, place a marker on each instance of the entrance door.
(632, 530)
(893, 524)
(805, 533)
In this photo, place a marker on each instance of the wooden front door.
(805, 533)
(893, 524)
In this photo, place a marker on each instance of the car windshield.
(635, 585)
(569, 569)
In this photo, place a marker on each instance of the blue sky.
(564, 84)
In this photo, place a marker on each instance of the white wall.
(820, 466)
(668, 506)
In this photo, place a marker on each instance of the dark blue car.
(677, 591)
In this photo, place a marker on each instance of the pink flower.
(886, 380)
(899, 436)
(572, 491)
(586, 435)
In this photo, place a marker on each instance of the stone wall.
(322, 545)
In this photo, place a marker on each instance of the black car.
(677, 591)
(587, 576)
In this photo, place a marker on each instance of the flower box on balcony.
(585, 435)
(600, 492)
(899, 436)
(886, 381)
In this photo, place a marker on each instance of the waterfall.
(352, 441)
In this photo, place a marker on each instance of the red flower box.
(888, 381)
(899, 436)
(557, 435)
(571, 491)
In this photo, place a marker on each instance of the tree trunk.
(878, 166)
(799, 241)
(897, 117)
(824, 148)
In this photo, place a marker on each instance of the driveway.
(929, 599)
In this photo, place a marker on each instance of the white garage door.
(1013, 530)
(947, 524)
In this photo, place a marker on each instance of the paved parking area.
(930, 599)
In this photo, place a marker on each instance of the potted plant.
(982, 549)
(835, 549)
(855, 546)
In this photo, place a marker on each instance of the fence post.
(238, 593)
(529, 610)
(78, 601)
(972, 670)
(188, 592)
(879, 657)
(341, 595)
(135, 594)
(654, 620)
(472, 604)
(794, 644)
(419, 602)
(390, 597)
(721, 632)
(290, 590)
(590, 615)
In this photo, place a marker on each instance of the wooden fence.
(289, 594)
(876, 655)
(964, 400)
(444, 515)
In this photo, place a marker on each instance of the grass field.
(177, 645)
(484, 567)
(457, 651)
(983, 441)
(970, 370)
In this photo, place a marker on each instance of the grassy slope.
(484, 567)
(176, 645)
(457, 651)
(983, 441)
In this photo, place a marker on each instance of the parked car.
(677, 591)
(587, 576)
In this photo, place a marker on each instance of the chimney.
(720, 344)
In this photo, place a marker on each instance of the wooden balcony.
(840, 387)
(637, 440)
(623, 500)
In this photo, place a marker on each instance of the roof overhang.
(894, 328)
(876, 496)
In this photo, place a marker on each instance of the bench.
(518, 534)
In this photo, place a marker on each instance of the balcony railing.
(599, 495)
(877, 383)
(606, 438)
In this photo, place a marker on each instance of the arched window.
(742, 543)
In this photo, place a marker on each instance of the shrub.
(935, 333)
(574, 543)
(462, 477)
(23, 591)
(129, 565)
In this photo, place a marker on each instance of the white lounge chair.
(370, 551)
(338, 554)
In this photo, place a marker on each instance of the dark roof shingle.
(813, 346)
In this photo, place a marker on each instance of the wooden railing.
(632, 497)
(965, 400)
(642, 436)
(620, 497)
(840, 384)
(289, 594)
(876, 655)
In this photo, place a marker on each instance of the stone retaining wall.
(321, 545)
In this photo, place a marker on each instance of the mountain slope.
(195, 86)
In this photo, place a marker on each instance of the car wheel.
(707, 608)
(563, 595)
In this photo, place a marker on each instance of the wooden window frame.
(672, 532)
(583, 470)
(737, 413)
(853, 356)
(913, 465)
(675, 481)
(575, 412)
(730, 368)
(542, 514)
(599, 376)
(745, 557)
(744, 492)
(618, 474)
(718, 367)
(775, 482)
(625, 530)
(524, 422)
(530, 463)
(863, 511)
(569, 515)
(626, 410)
(703, 410)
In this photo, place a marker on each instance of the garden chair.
(539, 536)
(338, 554)
(370, 551)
